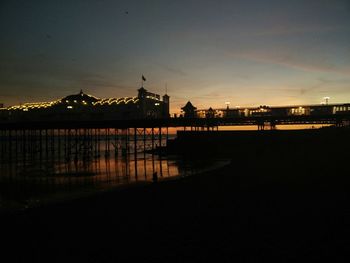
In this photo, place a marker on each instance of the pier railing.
(260, 121)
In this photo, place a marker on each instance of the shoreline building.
(81, 106)
(191, 111)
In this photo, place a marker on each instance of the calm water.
(32, 178)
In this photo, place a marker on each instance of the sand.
(277, 205)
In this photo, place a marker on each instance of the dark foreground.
(289, 205)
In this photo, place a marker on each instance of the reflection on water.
(31, 177)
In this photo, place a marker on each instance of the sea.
(30, 177)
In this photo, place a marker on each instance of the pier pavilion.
(82, 106)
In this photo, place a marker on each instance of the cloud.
(283, 30)
(290, 60)
(170, 69)
(325, 86)
(22, 77)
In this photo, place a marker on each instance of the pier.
(79, 140)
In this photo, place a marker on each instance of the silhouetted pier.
(195, 123)
(260, 121)
(78, 143)
(81, 139)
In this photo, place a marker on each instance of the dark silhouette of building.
(151, 106)
(264, 110)
(189, 110)
(166, 106)
(210, 113)
(83, 106)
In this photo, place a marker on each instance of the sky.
(247, 52)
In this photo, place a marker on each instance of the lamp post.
(227, 103)
(326, 99)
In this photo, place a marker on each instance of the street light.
(326, 99)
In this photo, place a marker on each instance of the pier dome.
(81, 97)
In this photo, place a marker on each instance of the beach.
(288, 207)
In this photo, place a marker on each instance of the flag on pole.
(143, 78)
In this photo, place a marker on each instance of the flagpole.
(143, 79)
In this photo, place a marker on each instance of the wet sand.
(289, 206)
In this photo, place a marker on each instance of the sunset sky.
(248, 52)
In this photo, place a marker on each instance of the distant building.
(263, 110)
(210, 113)
(1, 105)
(82, 106)
(166, 106)
(189, 110)
(151, 106)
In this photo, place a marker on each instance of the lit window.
(69, 107)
